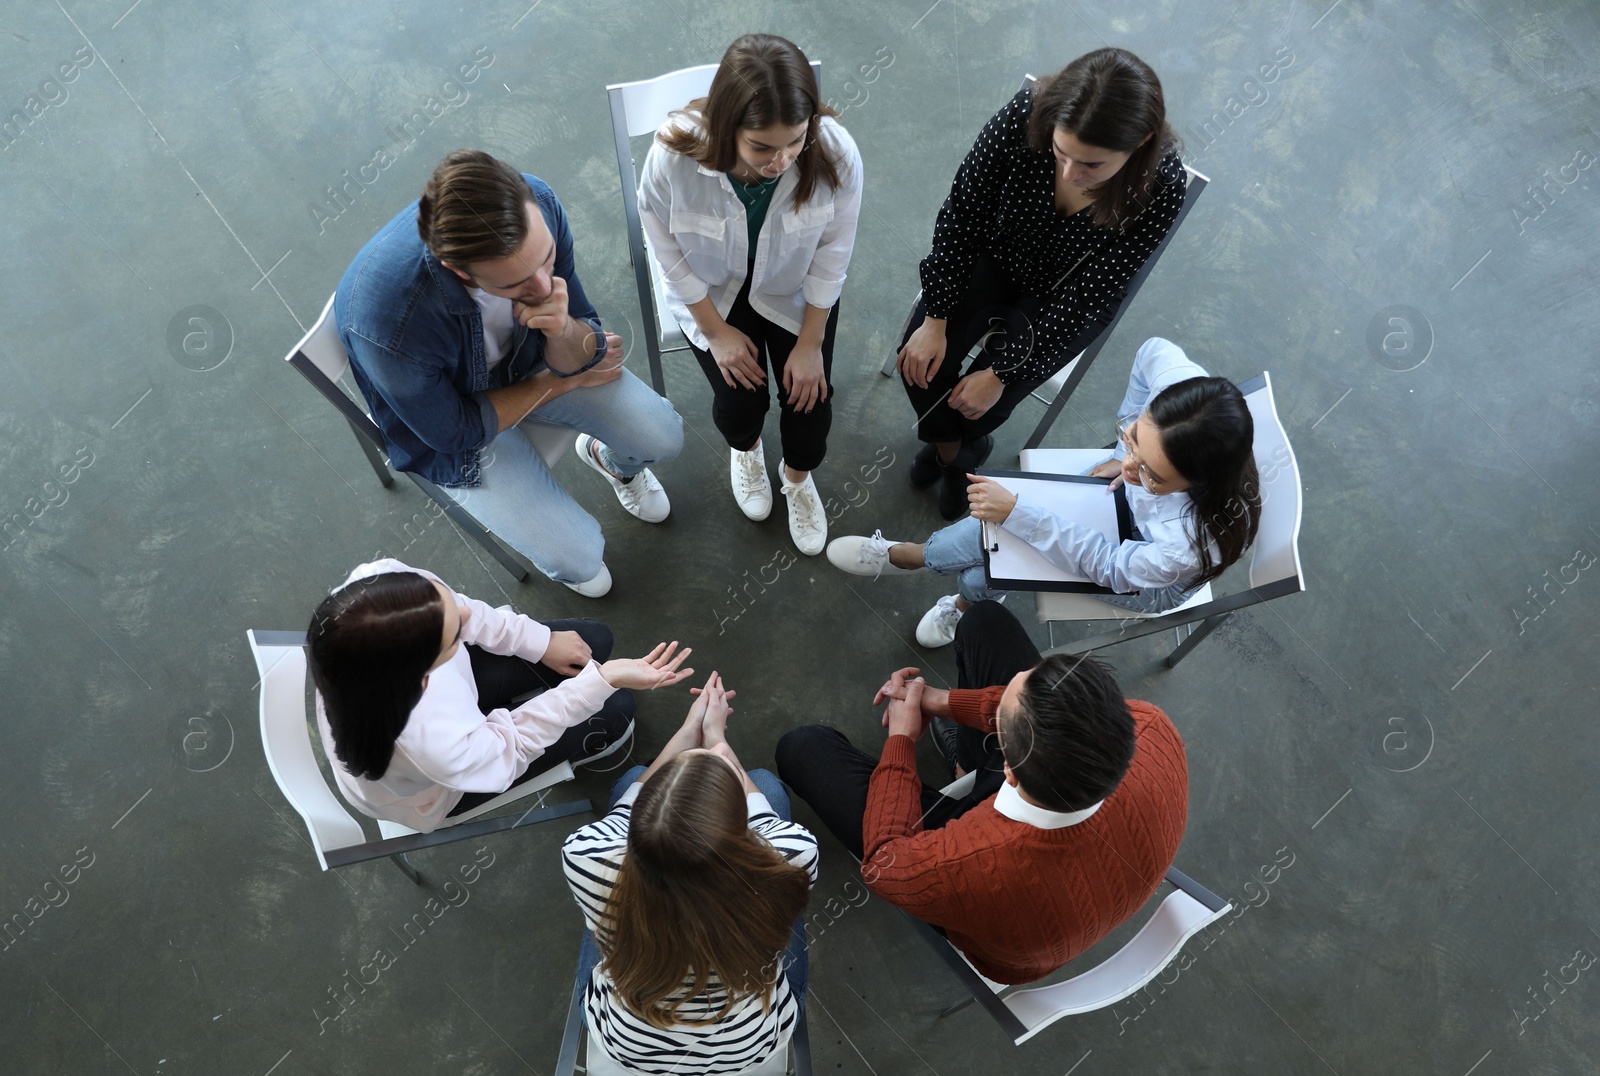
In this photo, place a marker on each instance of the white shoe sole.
(598, 587)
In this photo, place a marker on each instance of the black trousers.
(991, 302)
(739, 413)
(822, 767)
(504, 681)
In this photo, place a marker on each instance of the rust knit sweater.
(1018, 900)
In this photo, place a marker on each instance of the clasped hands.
(912, 703)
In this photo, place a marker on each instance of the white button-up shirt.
(699, 237)
(1167, 556)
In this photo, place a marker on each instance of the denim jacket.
(415, 339)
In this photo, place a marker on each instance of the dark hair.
(698, 896)
(1070, 738)
(473, 209)
(1110, 99)
(764, 80)
(370, 644)
(1209, 437)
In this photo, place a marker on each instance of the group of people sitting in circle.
(466, 324)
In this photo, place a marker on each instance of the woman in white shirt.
(430, 702)
(749, 198)
(1184, 460)
(691, 890)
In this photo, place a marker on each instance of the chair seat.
(667, 330)
(1053, 606)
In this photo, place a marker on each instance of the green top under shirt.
(756, 199)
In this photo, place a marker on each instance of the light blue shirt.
(1167, 556)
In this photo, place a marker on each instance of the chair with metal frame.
(336, 835)
(1055, 392)
(1026, 1011)
(1274, 558)
(321, 359)
(639, 108)
(599, 1063)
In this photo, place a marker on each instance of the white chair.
(336, 836)
(1025, 1012)
(321, 359)
(1274, 558)
(1055, 392)
(639, 108)
(597, 1062)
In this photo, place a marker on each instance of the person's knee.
(797, 746)
(982, 619)
(598, 636)
(576, 561)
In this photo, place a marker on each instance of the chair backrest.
(321, 359)
(639, 108)
(321, 344)
(1275, 557)
(281, 661)
(1162, 937)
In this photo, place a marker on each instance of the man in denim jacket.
(465, 321)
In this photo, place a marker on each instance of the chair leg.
(474, 529)
(657, 379)
(889, 365)
(374, 457)
(958, 1006)
(399, 859)
(1048, 419)
(1204, 628)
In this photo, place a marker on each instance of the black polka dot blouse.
(1002, 204)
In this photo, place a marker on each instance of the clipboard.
(1009, 563)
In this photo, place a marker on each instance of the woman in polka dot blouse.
(1069, 188)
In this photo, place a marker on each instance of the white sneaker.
(752, 489)
(641, 495)
(808, 523)
(865, 556)
(938, 625)
(598, 587)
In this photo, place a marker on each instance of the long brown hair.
(1108, 98)
(1208, 434)
(699, 895)
(371, 644)
(764, 80)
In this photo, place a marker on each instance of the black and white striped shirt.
(742, 1038)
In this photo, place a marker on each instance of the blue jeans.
(958, 550)
(523, 504)
(795, 961)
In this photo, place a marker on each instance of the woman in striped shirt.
(692, 886)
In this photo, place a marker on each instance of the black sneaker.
(925, 467)
(953, 493)
(946, 735)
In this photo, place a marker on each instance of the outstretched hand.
(656, 669)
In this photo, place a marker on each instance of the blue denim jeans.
(795, 960)
(522, 503)
(958, 550)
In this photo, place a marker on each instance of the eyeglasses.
(1125, 433)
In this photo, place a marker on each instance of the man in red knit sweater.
(1078, 811)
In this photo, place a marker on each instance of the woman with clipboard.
(1183, 460)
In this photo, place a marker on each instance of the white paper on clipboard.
(1015, 565)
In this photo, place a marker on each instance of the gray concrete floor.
(1414, 731)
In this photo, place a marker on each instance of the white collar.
(1009, 802)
